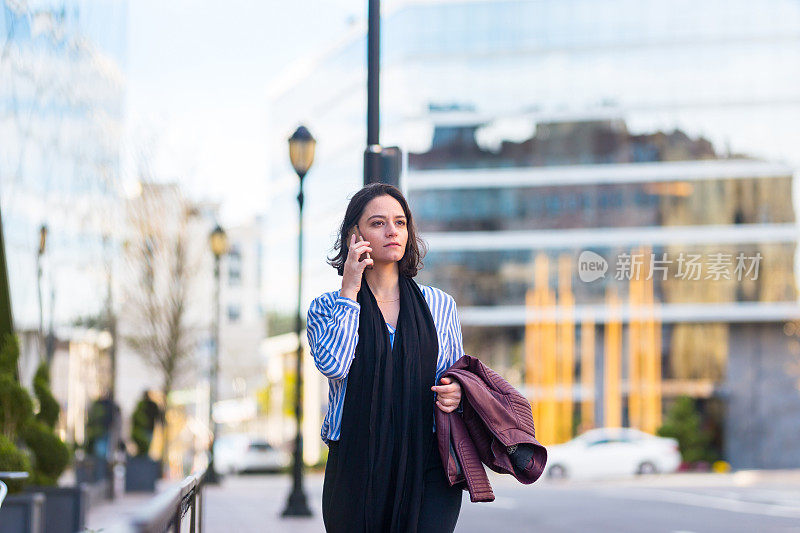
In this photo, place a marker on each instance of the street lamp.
(39, 254)
(301, 154)
(110, 317)
(219, 247)
(373, 154)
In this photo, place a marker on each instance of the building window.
(234, 313)
(234, 266)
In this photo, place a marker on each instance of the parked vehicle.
(608, 452)
(237, 453)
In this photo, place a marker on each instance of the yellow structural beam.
(541, 367)
(566, 347)
(651, 419)
(636, 342)
(587, 374)
(612, 405)
(531, 350)
(549, 343)
(656, 398)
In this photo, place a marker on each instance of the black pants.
(441, 503)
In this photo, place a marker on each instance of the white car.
(237, 453)
(608, 452)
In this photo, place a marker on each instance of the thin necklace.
(385, 301)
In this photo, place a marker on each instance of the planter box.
(141, 474)
(65, 508)
(96, 493)
(90, 470)
(22, 513)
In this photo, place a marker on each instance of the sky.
(197, 78)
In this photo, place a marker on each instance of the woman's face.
(383, 224)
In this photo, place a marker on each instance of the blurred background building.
(62, 122)
(62, 87)
(243, 378)
(243, 319)
(62, 104)
(538, 130)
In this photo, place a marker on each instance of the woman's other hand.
(448, 395)
(353, 268)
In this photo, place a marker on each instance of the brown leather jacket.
(495, 428)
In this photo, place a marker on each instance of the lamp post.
(301, 153)
(219, 247)
(39, 254)
(373, 153)
(111, 324)
(110, 318)
(382, 164)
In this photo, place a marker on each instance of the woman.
(382, 341)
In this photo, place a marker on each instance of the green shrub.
(16, 409)
(95, 426)
(141, 434)
(13, 460)
(9, 354)
(50, 454)
(48, 406)
(15, 402)
(683, 423)
(15, 406)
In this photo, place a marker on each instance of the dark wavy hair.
(411, 262)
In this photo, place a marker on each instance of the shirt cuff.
(347, 302)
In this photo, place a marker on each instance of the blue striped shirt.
(333, 336)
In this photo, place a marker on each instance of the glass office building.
(61, 113)
(656, 137)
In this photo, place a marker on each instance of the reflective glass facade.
(61, 107)
(515, 85)
(603, 205)
(536, 131)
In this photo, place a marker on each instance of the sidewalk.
(112, 515)
(255, 503)
(239, 504)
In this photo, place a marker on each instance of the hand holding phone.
(357, 233)
(357, 260)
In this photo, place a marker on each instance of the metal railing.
(9, 475)
(168, 510)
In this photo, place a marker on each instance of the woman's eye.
(401, 222)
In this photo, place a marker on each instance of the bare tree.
(163, 267)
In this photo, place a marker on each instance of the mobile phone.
(354, 231)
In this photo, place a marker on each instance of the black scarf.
(387, 418)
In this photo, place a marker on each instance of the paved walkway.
(239, 504)
(255, 503)
(109, 516)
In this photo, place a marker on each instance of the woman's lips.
(392, 244)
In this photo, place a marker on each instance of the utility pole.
(111, 318)
(372, 155)
(382, 164)
(39, 254)
(50, 344)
